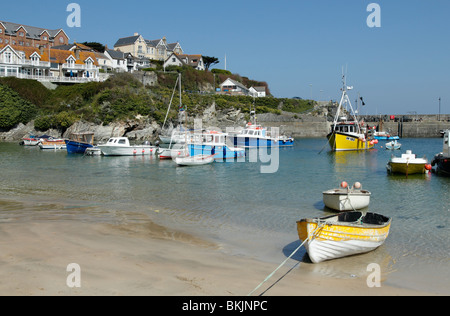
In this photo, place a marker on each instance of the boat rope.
(292, 254)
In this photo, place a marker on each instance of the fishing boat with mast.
(347, 133)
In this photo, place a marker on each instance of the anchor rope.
(292, 254)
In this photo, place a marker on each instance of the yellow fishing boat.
(349, 134)
(343, 235)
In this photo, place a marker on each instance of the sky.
(299, 47)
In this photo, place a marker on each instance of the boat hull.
(194, 160)
(442, 164)
(219, 152)
(74, 147)
(386, 137)
(342, 142)
(328, 239)
(61, 144)
(256, 142)
(406, 168)
(169, 153)
(344, 200)
(128, 150)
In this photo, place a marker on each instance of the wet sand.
(143, 258)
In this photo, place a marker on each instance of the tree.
(95, 46)
(209, 61)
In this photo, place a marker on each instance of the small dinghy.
(393, 145)
(196, 160)
(342, 235)
(347, 199)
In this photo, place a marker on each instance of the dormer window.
(89, 64)
(21, 34)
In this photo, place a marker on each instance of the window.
(61, 39)
(7, 57)
(21, 34)
(44, 38)
(122, 141)
(1, 31)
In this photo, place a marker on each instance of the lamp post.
(439, 115)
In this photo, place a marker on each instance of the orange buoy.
(428, 167)
(344, 184)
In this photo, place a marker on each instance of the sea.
(250, 207)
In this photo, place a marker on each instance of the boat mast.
(344, 101)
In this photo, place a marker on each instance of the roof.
(28, 51)
(57, 56)
(260, 89)
(115, 54)
(32, 31)
(124, 41)
(236, 83)
(192, 60)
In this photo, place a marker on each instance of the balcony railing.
(53, 78)
(44, 64)
(79, 67)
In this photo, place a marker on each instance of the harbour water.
(247, 212)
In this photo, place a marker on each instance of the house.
(233, 87)
(118, 60)
(47, 64)
(195, 61)
(258, 92)
(139, 47)
(15, 34)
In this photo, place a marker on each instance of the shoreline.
(144, 258)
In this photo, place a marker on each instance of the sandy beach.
(143, 258)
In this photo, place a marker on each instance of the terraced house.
(48, 64)
(152, 49)
(16, 34)
(30, 52)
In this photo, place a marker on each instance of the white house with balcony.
(47, 64)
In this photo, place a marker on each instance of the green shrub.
(14, 109)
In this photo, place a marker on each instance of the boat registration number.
(350, 139)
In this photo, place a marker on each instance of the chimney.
(77, 53)
(136, 34)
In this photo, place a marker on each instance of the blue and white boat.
(213, 143)
(385, 136)
(254, 136)
(79, 142)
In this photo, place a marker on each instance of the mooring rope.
(292, 254)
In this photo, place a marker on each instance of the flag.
(362, 101)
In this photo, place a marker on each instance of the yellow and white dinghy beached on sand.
(342, 235)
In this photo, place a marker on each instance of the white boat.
(194, 160)
(347, 199)
(120, 146)
(342, 235)
(52, 143)
(408, 163)
(393, 145)
(169, 153)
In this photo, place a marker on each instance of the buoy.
(357, 185)
(428, 167)
(375, 141)
(344, 184)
